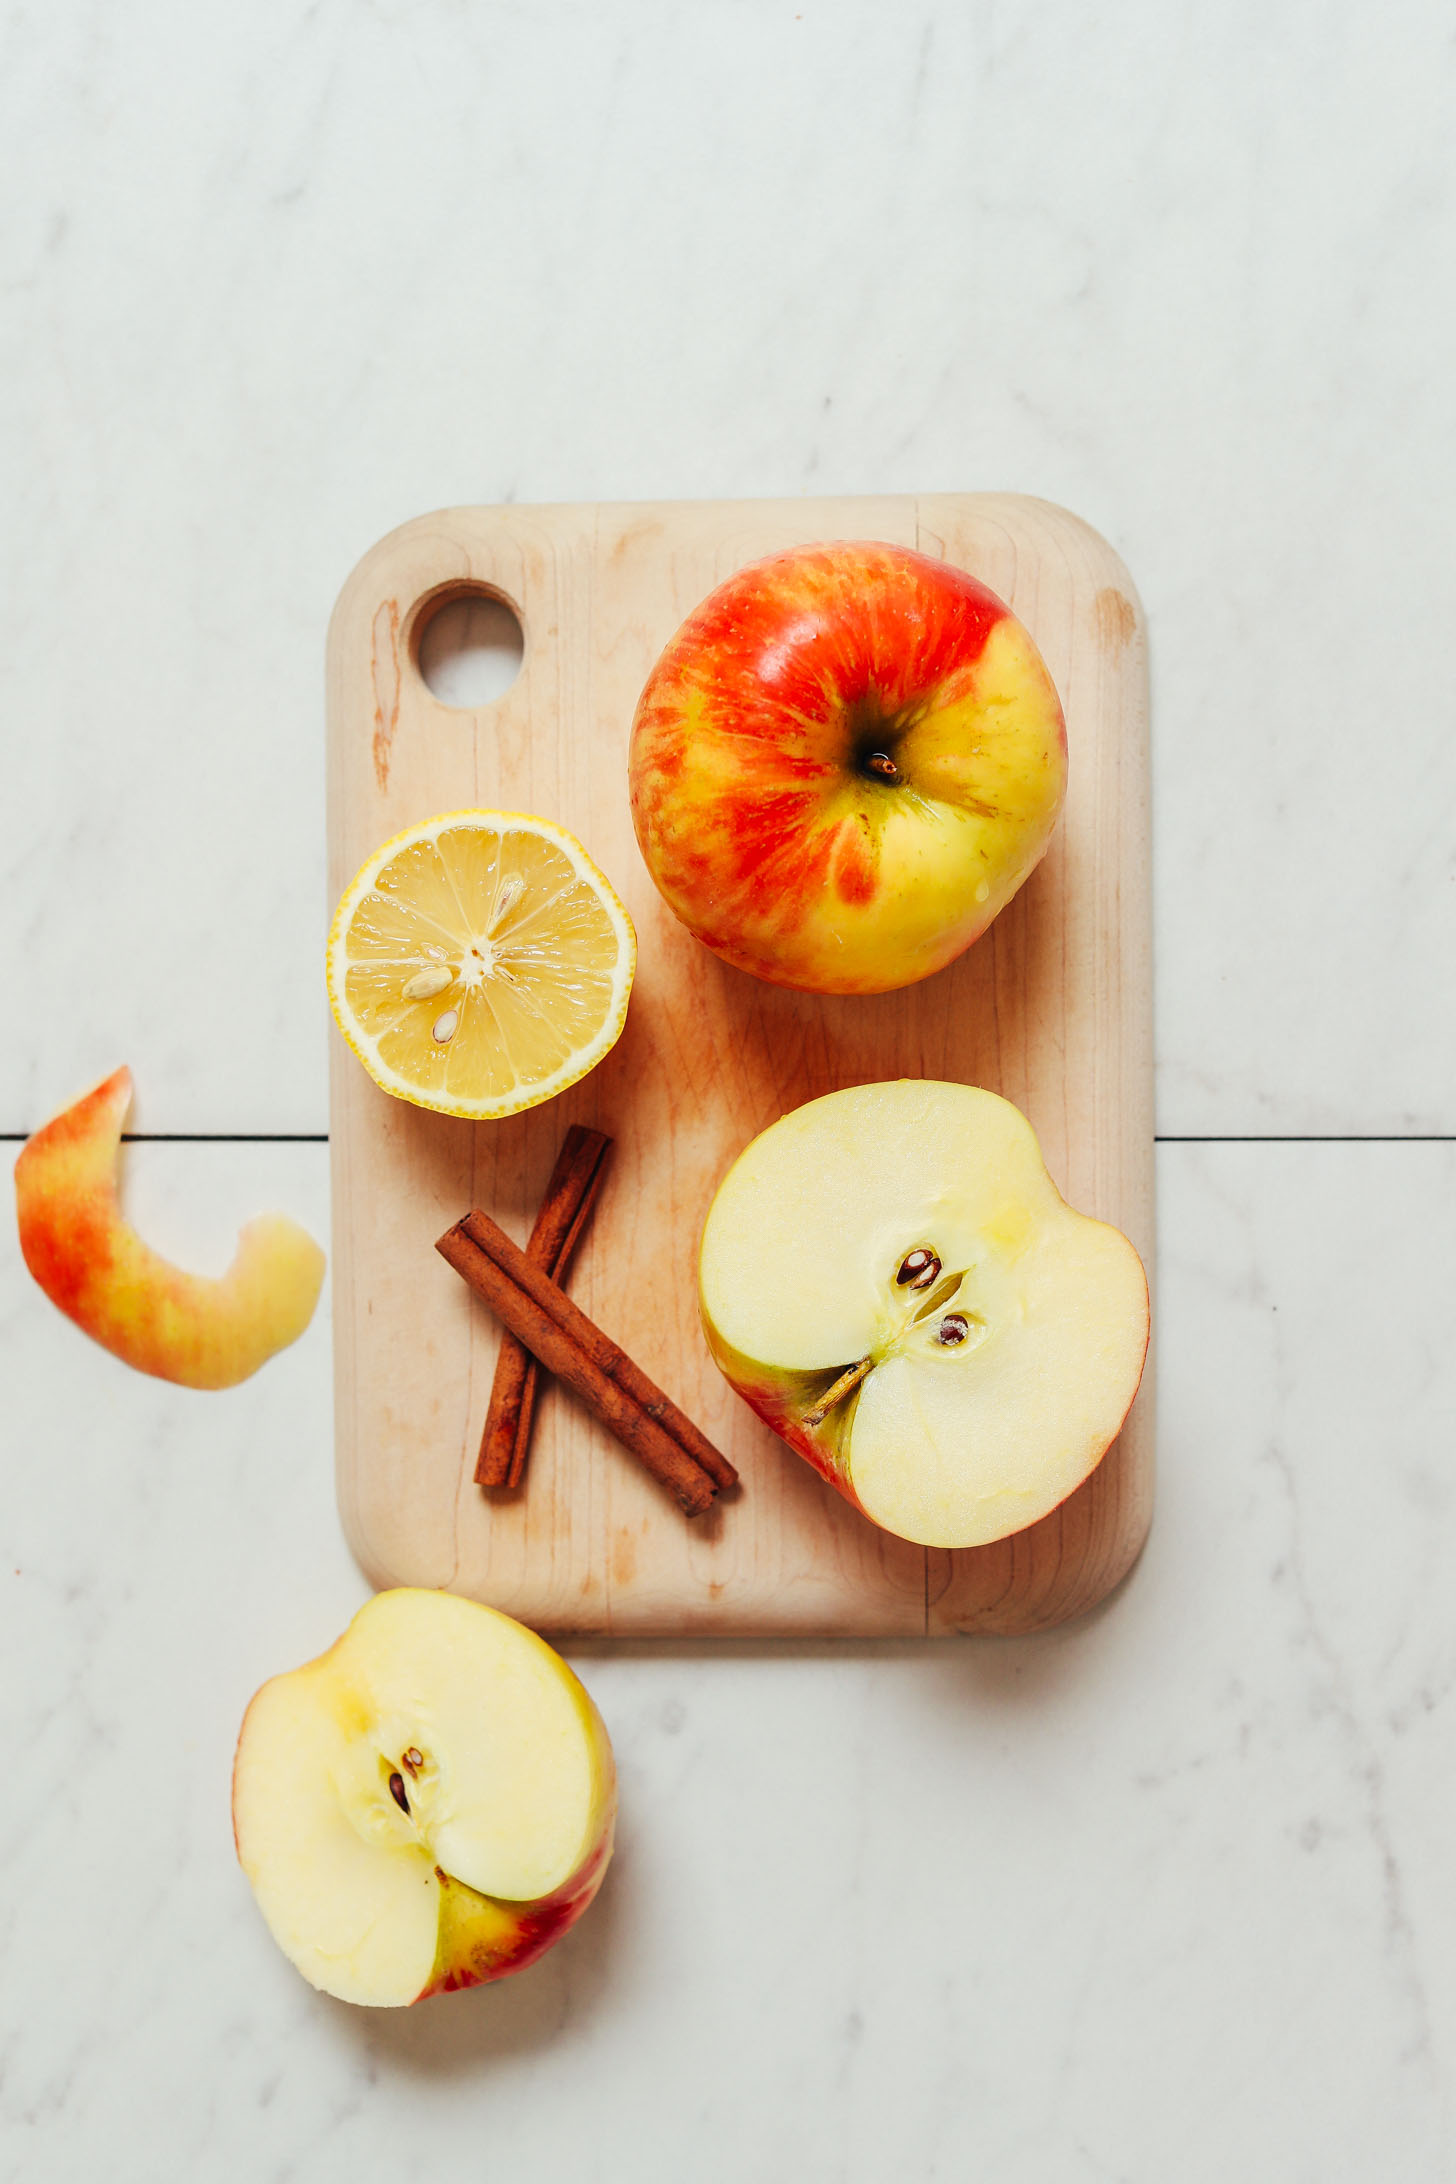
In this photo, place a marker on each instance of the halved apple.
(891, 1279)
(426, 1806)
(148, 1312)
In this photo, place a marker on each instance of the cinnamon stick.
(565, 1211)
(569, 1317)
(568, 1344)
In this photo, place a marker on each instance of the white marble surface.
(1165, 1898)
(1167, 1895)
(275, 283)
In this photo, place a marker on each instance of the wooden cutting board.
(1050, 1008)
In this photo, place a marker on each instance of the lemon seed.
(509, 894)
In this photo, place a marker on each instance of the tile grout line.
(199, 1137)
(321, 1137)
(1317, 1137)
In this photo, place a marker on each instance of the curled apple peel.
(189, 1328)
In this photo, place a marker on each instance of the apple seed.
(396, 1791)
(918, 1268)
(953, 1329)
(413, 1759)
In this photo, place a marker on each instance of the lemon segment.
(480, 963)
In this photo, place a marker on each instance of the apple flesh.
(426, 1806)
(891, 1279)
(844, 764)
(146, 1311)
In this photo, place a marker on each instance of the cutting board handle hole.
(468, 646)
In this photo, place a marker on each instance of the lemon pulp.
(479, 963)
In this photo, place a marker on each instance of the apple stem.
(845, 1385)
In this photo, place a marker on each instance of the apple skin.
(151, 1314)
(780, 1400)
(756, 811)
(482, 1938)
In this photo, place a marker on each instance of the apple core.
(969, 1345)
(426, 1806)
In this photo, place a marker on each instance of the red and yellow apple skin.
(482, 1938)
(90, 1262)
(781, 1400)
(844, 764)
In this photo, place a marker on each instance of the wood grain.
(1051, 1008)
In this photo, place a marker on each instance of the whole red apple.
(844, 765)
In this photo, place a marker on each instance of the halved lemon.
(480, 963)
